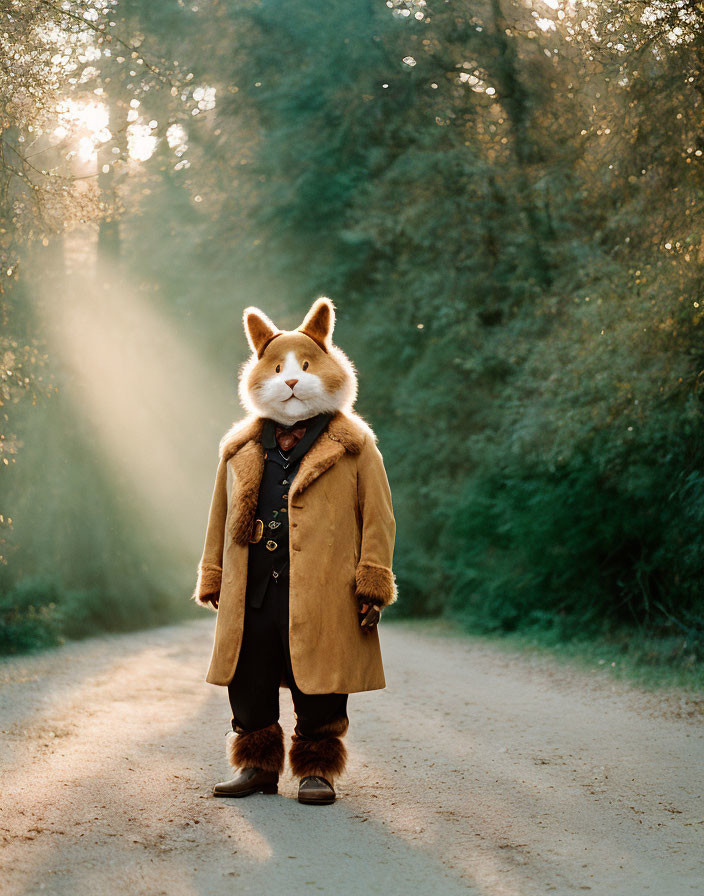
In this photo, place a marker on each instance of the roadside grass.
(38, 613)
(650, 662)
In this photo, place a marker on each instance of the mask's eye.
(305, 365)
(278, 368)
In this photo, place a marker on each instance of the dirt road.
(475, 771)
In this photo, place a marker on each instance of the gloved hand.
(370, 616)
(213, 599)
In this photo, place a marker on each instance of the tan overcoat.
(341, 538)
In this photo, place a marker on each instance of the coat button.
(271, 545)
(275, 574)
(274, 524)
(284, 497)
(285, 482)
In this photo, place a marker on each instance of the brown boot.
(248, 781)
(316, 790)
(259, 756)
(319, 762)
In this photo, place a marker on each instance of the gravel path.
(477, 770)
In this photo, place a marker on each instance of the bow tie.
(289, 438)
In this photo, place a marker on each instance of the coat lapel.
(345, 434)
(243, 450)
(320, 457)
(248, 467)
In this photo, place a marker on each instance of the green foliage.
(515, 285)
(36, 613)
(75, 556)
(505, 201)
(581, 550)
(28, 616)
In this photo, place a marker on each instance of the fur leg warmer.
(257, 749)
(325, 755)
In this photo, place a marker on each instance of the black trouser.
(264, 660)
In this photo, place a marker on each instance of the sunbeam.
(155, 406)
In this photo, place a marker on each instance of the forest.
(503, 198)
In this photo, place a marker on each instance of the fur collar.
(241, 432)
(348, 429)
(242, 447)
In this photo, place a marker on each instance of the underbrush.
(38, 613)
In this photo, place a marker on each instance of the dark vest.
(269, 557)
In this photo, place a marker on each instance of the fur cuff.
(326, 758)
(209, 581)
(257, 749)
(376, 583)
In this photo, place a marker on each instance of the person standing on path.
(297, 558)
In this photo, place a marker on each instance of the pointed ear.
(320, 322)
(259, 328)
